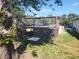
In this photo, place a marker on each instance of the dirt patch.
(26, 55)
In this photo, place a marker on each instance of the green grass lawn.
(64, 47)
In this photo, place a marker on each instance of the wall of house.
(76, 24)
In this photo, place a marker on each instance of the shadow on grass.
(73, 33)
(45, 36)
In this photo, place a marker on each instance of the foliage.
(17, 5)
(9, 36)
(68, 18)
(2, 15)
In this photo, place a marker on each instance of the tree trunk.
(1, 4)
(3, 52)
(8, 52)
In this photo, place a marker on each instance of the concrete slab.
(33, 38)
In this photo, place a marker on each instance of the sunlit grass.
(64, 47)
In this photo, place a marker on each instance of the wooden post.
(56, 28)
(33, 26)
